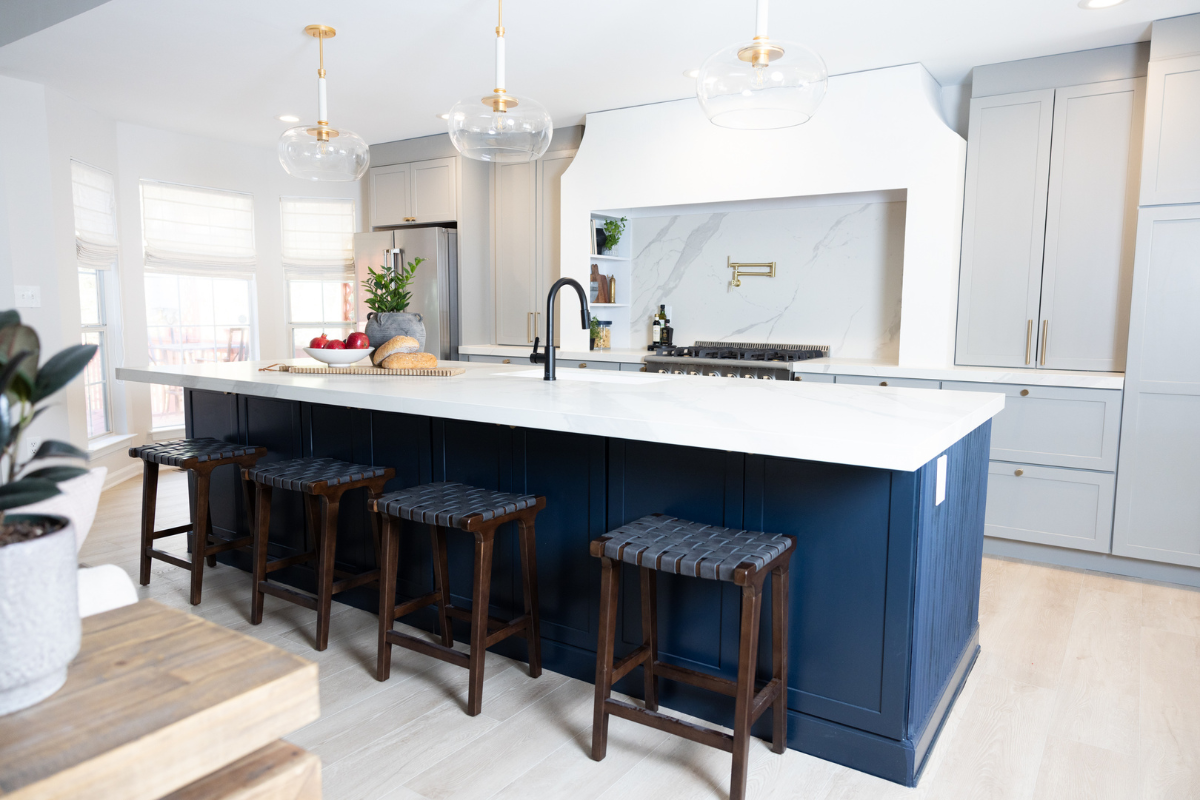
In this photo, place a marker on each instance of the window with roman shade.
(191, 230)
(94, 195)
(318, 262)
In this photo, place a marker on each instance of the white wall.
(880, 130)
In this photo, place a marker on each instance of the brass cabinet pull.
(583, 365)
(537, 324)
(1045, 335)
(1019, 472)
(528, 327)
(1028, 339)
(643, 369)
(883, 383)
(506, 361)
(1024, 393)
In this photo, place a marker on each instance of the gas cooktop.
(743, 351)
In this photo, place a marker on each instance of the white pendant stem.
(499, 62)
(760, 20)
(322, 107)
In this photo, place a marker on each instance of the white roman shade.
(318, 238)
(95, 197)
(190, 230)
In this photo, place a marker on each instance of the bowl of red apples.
(339, 352)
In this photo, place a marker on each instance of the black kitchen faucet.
(547, 358)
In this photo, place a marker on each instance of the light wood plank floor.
(1088, 686)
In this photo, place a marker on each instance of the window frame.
(102, 328)
(292, 324)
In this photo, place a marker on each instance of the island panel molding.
(884, 622)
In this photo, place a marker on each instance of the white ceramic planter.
(39, 617)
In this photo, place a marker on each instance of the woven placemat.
(427, 372)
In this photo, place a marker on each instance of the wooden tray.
(429, 372)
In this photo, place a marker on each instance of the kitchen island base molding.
(884, 584)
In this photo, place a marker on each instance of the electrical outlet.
(29, 296)
(32, 443)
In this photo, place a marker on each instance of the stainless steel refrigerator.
(434, 288)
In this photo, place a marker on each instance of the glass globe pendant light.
(319, 152)
(762, 84)
(500, 127)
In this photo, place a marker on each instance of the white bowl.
(338, 358)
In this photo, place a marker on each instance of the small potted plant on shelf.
(614, 229)
(388, 298)
(594, 333)
(39, 608)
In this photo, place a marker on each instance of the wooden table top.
(156, 699)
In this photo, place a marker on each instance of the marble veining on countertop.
(870, 426)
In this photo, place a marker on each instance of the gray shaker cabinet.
(1158, 486)
(1171, 167)
(1091, 225)
(1008, 168)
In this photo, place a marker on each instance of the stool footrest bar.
(167, 557)
(370, 576)
(290, 561)
(171, 531)
(432, 649)
(712, 683)
(518, 626)
(227, 544)
(629, 663)
(464, 614)
(764, 698)
(416, 604)
(696, 733)
(291, 595)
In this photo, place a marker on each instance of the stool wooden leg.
(149, 501)
(528, 540)
(744, 697)
(327, 552)
(650, 634)
(262, 527)
(208, 539)
(479, 618)
(441, 583)
(779, 653)
(389, 555)
(609, 583)
(200, 527)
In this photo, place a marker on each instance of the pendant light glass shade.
(320, 152)
(500, 127)
(762, 84)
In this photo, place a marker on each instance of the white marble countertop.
(870, 426)
(625, 356)
(1025, 377)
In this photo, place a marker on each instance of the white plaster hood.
(878, 130)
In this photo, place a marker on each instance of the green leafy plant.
(24, 386)
(614, 229)
(387, 290)
(594, 328)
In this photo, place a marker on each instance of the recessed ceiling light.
(691, 73)
(1092, 5)
(288, 118)
(444, 116)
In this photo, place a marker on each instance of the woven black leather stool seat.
(680, 547)
(452, 505)
(311, 474)
(186, 452)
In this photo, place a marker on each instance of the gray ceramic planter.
(381, 327)
(39, 616)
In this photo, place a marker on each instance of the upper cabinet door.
(515, 251)
(1004, 219)
(1171, 168)
(389, 195)
(550, 170)
(434, 191)
(1158, 483)
(1091, 225)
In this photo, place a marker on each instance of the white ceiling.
(227, 68)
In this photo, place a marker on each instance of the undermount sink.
(589, 375)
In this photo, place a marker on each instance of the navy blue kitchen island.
(885, 580)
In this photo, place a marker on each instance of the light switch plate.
(29, 296)
(940, 492)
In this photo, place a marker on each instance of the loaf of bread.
(409, 360)
(396, 344)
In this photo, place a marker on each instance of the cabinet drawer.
(1053, 426)
(498, 360)
(813, 377)
(638, 367)
(562, 363)
(1050, 505)
(904, 383)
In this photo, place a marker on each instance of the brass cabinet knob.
(883, 383)
(506, 361)
(1024, 393)
(583, 366)
(1019, 472)
(643, 369)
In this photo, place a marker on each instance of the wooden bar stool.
(660, 543)
(322, 481)
(200, 457)
(479, 512)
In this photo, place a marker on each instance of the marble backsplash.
(837, 282)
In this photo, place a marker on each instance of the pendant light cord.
(760, 20)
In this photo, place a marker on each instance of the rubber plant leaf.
(25, 491)
(52, 448)
(61, 369)
(15, 339)
(56, 474)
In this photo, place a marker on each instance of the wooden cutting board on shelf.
(429, 372)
